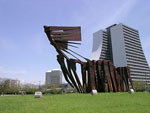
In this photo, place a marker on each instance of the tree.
(7, 88)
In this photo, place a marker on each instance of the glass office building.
(121, 44)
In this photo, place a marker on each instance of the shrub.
(52, 91)
(141, 86)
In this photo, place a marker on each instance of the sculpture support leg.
(117, 77)
(100, 76)
(72, 63)
(124, 78)
(66, 72)
(111, 71)
(106, 70)
(64, 69)
(72, 78)
(128, 70)
(84, 79)
(91, 78)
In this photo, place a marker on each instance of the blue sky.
(25, 52)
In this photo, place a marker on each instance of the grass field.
(77, 103)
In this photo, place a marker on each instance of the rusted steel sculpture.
(99, 75)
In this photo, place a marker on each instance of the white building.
(121, 44)
(10, 82)
(54, 77)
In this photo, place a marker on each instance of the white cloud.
(95, 15)
(7, 71)
(102, 14)
(122, 12)
(116, 15)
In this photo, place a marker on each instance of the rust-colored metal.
(111, 71)
(95, 74)
(65, 33)
(100, 76)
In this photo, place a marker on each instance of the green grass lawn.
(77, 103)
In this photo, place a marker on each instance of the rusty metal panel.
(65, 33)
(100, 76)
(61, 35)
(107, 73)
(112, 76)
(84, 78)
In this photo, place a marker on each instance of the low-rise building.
(10, 82)
(54, 77)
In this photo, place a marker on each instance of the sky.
(25, 52)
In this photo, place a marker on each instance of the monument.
(96, 75)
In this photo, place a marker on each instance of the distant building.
(54, 77)
(121, 44)
(2, 80)
(10, 82)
